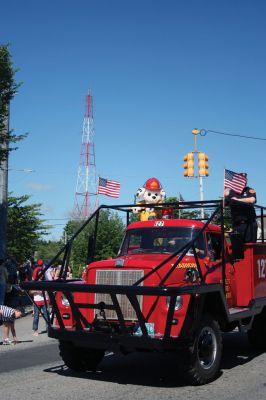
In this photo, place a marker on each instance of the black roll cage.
(216, 205)
(68, 287)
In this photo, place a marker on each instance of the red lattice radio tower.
(86, 198)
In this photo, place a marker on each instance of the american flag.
(108, 187)
(234, 180)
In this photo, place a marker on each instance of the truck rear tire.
(202, 356)
(257, 334)
(80, 359)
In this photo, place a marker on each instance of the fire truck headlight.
(64, 301)
(178, 303)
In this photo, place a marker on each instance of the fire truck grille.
(114, 277)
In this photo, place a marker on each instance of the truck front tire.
(202, 355)
(80, 359)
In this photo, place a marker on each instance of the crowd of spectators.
(12, 273)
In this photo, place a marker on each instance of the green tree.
(8, 89)
(24, 227)
(183, 213)
(109, 235)
(47, 249)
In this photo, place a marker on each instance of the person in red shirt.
(39, 301)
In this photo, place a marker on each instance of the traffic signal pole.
(201, 195)
(195, 133)
(203, 166)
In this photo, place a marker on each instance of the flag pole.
(224, 188)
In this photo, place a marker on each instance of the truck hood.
(141, 260)
(146, 262)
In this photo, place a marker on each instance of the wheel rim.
(207, 347)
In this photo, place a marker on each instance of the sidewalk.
(25, 336)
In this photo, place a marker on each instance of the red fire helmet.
(152, 184)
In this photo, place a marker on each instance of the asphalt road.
(33, 370)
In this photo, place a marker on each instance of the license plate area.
(149, 327)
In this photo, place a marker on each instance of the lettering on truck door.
(259, 270)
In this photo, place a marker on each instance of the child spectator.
(7, 318)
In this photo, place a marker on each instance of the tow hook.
(102, 310)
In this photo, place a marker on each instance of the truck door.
(214, 253)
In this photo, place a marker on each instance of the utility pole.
(203, 166)
(4, 187)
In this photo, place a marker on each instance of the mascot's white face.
(151, 196)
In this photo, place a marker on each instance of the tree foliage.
(8, 89)
(109, 235)
(183, 213)
(48, 249)
(196, 214)
(24, 227)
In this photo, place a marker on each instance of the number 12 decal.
(261, 268)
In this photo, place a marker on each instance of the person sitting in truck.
(214, 246)
(243, 213)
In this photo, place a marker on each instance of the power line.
(21, 170)
(57, 225)
(56, 219)
(203, 132)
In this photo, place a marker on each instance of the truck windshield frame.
(164, 240)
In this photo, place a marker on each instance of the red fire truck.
(175, 286)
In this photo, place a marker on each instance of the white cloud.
(45, 208)
(38, 187)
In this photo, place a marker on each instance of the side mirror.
(90, 254)
(237, 246)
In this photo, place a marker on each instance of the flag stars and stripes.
(235, 181)
(109, 187)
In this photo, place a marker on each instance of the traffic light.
(189, 164)
(203, 165)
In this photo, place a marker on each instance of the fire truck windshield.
(160, 240)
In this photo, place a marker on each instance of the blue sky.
(156, 69)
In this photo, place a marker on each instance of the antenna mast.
(86, 198)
